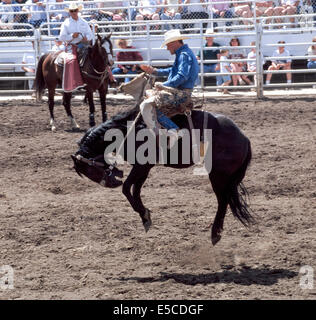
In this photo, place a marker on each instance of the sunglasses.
(73, 10)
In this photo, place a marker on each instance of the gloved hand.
(159, 86)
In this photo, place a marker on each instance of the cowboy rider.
(181, 78)
(75, 30)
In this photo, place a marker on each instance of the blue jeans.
(206, 69)
(228, 15)
(165, 121)
(311, 65)
(118, 70)
(222, 79)
(164, 16)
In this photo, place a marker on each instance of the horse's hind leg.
(136, 178)
(220, 183)
(66, 102)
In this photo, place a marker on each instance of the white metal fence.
(147, 35)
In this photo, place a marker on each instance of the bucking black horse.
(230, 156)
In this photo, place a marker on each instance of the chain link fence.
(162, 14)
(146, 21)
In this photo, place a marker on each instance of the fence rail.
(148, 34)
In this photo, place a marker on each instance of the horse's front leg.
(51, 95)
(102, 93)
(89, 95)
(136, 179)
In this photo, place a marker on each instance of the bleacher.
(147, 35)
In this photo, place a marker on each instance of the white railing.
(142, 32)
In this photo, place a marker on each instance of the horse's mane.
(93, 140)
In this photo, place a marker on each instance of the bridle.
(100, 75)
(97, 164)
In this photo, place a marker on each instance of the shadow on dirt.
(245, 276)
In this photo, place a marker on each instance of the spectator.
(21, 18)
(220, 10)
(198, 11)
(58, 15)
(312, 52)
(287, 7)
(29, 68)
(110, 11)
(171, 12)
(7, 15)
(90, 10)
(243, 9)
(36, 12)
(265, 8)
(211, 54)
(148, 10)
(252, 65)
(224, 80)
(124, 55)
(58, 46)
(237, 53)
(280, 63)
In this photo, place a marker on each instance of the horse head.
(97, 170)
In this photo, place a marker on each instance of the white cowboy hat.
(128, 42)
(172, 35)
(209, 33)
(74, 6)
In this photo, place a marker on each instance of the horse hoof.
(147, 220)
(54, 129)
(215, 239)
(147, 225)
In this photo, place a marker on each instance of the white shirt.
(196, 8)
(252, 64)
(277, 53)
(224, 64)
(70, 26)
(29, 58)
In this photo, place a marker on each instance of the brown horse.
(94, 73)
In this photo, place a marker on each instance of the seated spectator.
(224, 80)
(58, 46)
(198, 11)
(148, 10)
(237, 53)
(29, 68)
(108, 13)
(36, 12)
(213, 54)
(220, 10)
(287, 7)
(123, 55)
(266, 9)
(171, 12)
(242, 9)
(90, 10)
(280, 63)
(21, 18)
(7, 15)
(57, 14)
(252, 65)
(312, 52)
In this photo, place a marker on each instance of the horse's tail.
(238, 194)
(39, 82)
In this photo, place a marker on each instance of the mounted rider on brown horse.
(94, 73)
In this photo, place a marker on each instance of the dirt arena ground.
(69, 238)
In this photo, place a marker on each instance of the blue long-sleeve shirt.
(184, 72)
